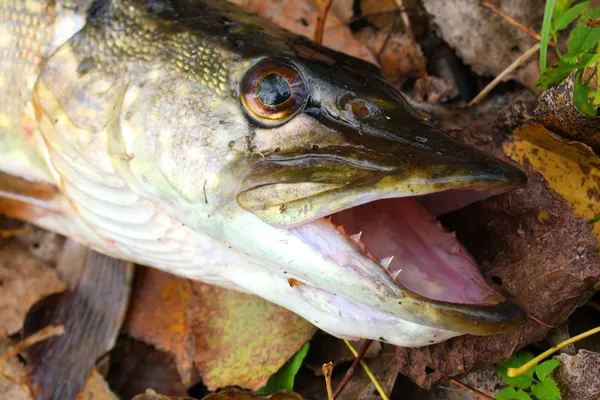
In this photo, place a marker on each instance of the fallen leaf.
(225, 395)
(570, 168)
(550, 267)
(96, 388)
(137, 366)
(400, 58)
(300, 17)
(480, 37)
(555, 110)
(577, 377)
(159, 315)
(242, 339)
(24, 279)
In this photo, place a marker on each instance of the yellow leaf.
(571, 168)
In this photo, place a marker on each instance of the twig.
(327, 370)
(512, 372)
(476, 392)
(352, 368)
(47, 332)
(368, 372)
(514, 22)
(5, 234)
(320, 30)
(520, 60)
(542, 323)
(405, 20)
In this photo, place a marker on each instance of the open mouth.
(416, 250)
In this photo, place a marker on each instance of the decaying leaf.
(548, 264)
(159, 315)
(300, 17)
(570, 168)
(137, 366)
(555, 110)
(91, 310)
(480, 37)
(226, 395)
(399, 56)
(25, 279)
(230, 337)
(96, 388)
(577, 377)
(242, 339)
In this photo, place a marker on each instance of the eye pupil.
(273, 89)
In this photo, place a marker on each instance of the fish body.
(196, 138)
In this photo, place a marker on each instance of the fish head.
(338, 194)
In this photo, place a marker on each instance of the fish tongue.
(427, 259)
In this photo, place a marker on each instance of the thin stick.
(320, 30)
(8, 233)
(327, 370)
(352, 368)
(542, 323)
(520, 60)
(512, 372)
(368, 371)
(47, 332)
(476, 392)
(405, 20)
(514, 22)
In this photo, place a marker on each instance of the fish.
(197, 138)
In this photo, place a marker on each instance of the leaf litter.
(534, 243)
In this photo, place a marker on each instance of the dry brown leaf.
(577, 377)
(480, 37)
(239, 395)
(96, 388)
(300, 17)
(549, 264)
(570, 168)
(242, 339)
(159, 315)
(137, 366)
(399, 56)
(555, 110)
(24, 280)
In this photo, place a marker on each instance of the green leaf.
(562, 6)
(284, 378)
(564, 18)
(543, 369)
(521, 381)
(580, 98)
(545, 34)
(546, 390)
(509, 393)
(584, 37)
(555, 74)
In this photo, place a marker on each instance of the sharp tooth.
(386, 261)
(395, 274)
(356, 237)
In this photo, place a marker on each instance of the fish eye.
(272, 92)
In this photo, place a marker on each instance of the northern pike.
(194, 137)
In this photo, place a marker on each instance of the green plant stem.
(546, 25)
(513, 372)
(368, 371)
